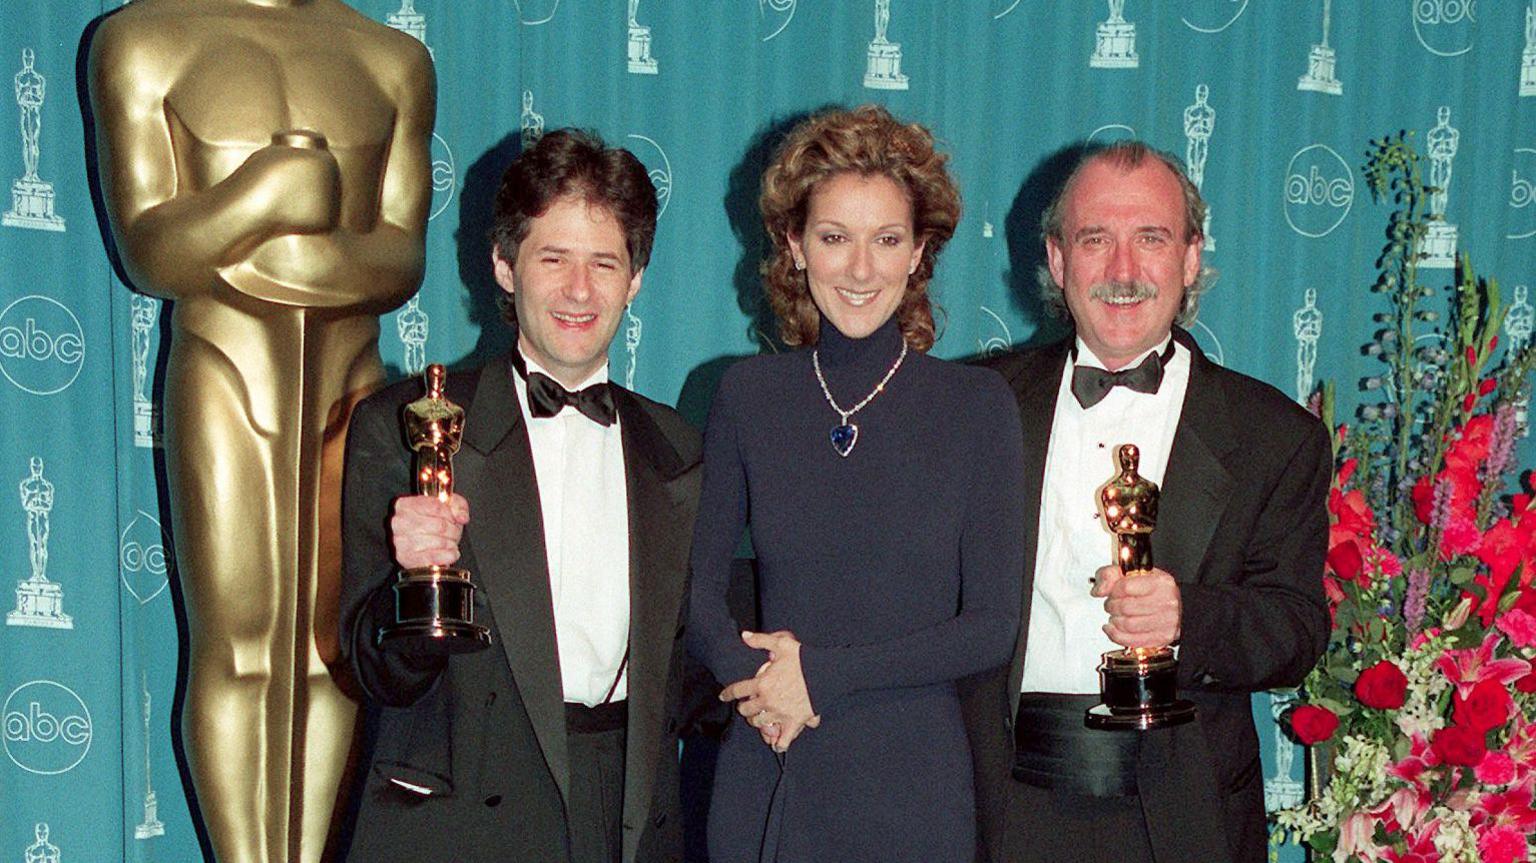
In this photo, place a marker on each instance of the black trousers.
(597, 794)
(1045, 826)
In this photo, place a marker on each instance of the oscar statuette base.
(1140, 692)
(434, 614)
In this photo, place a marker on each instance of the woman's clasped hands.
(775, 701)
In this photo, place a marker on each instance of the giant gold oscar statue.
(265, 165)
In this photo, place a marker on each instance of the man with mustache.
(1238, 548)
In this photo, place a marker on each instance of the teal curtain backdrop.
(1271, 102)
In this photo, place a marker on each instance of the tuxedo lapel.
(657, 539)
(1181, 803)
(496, 466)
(1196, 481)
(1035, 383)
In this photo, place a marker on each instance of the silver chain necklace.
(845, 434)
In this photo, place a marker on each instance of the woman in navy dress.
(881, 487)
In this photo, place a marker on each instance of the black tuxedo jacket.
(1243, 527)
(479, 739)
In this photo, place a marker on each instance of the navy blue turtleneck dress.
(899, 569)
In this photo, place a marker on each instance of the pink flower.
(1471, 665)
(1458, 615)
(1501, 845)
(1496, 768)
(1519, 625)
(1357, 838)
(1499, 812)
(1401, 812)
(1521, 747)
(1418, 846)
(1421, 757)
(1462, 799)
(1461, 537)
(1386, 561)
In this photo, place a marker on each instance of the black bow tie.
(1090, 385)
(546, 397)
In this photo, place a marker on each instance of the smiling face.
(1123, 260)
(857, 248)
(569, 285)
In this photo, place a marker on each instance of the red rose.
(1458, 744)
(1382, 686)
(1486, 707)
(1344, 559)
(1313, 724)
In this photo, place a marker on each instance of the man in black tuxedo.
(1238, 547)
(559, 742)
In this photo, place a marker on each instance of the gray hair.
(1126, 155)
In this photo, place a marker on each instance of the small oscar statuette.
(1139, 685)
(434, 605)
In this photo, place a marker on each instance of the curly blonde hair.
(866, 141)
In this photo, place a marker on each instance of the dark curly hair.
(867, 141)
(573, 162)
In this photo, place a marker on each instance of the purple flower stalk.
(1501, 442)
(1416, 598)
(1440, 507)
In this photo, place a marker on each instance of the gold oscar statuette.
(1139, 685)
(266, 165)
(434, 605)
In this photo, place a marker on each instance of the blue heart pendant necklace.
(845, 434)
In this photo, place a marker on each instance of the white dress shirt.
(1065, 620)
(579, 466)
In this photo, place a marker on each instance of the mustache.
(1136, 290)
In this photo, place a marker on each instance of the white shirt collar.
(598, 377)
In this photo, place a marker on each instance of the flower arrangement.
(1422, 711)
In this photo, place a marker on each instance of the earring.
(799, 264)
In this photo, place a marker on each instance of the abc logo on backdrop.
(1319, 191)
(47, 728)
(42, 347)
(143, 557)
